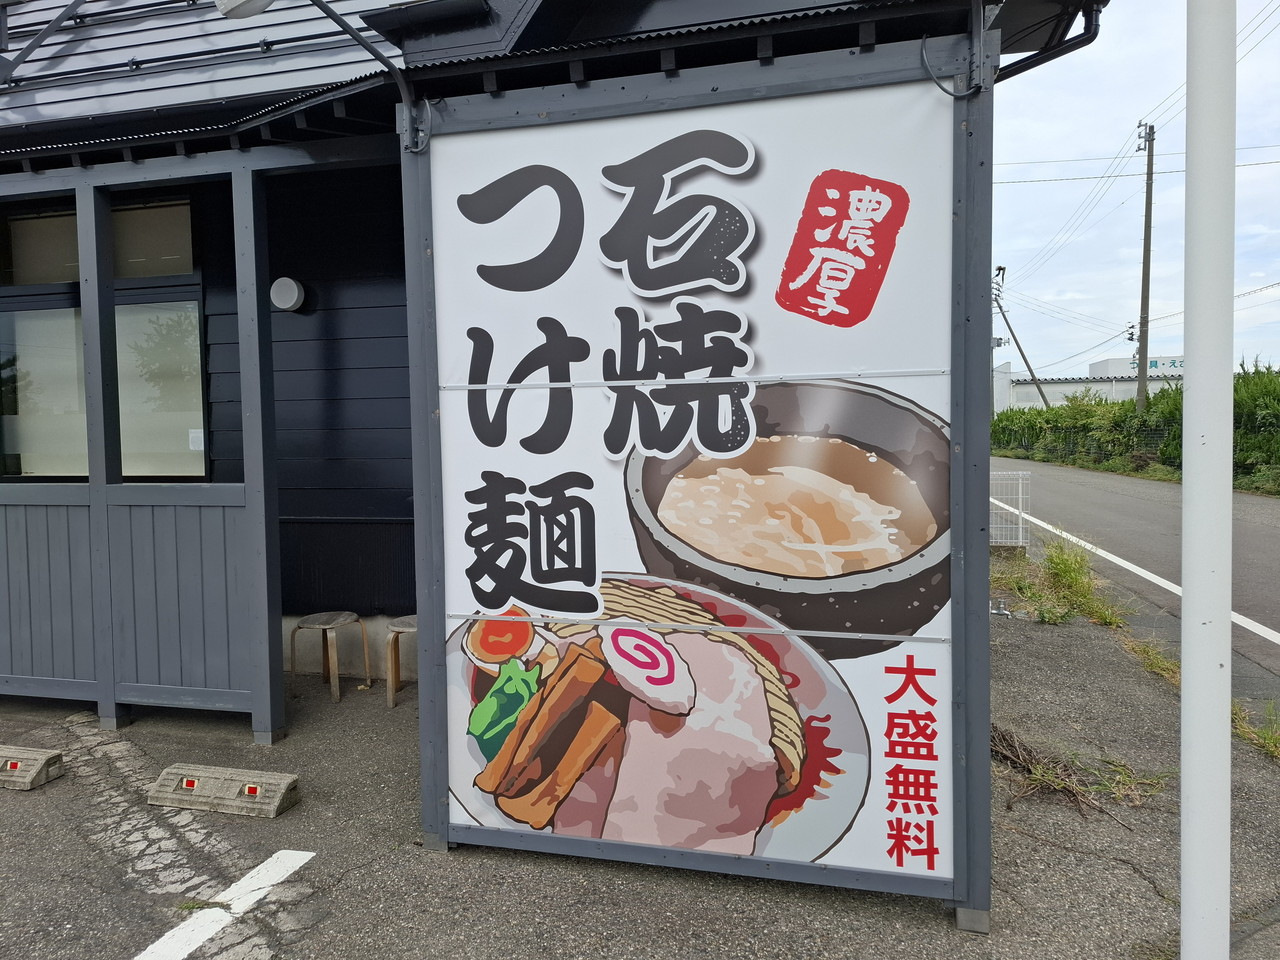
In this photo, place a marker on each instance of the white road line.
(1251, 625)
(183, 939)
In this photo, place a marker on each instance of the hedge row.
(1112, 435)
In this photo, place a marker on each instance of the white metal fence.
(1010, 502)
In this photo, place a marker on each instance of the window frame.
(174, 288)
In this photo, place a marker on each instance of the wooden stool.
(395, 628)
(328, 624)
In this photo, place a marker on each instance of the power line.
(1071, 228)
(1116, 176)
(1097, 220)
(1238, 296)
(1053, 312)
(1171, 153)
(1058, 363)
(1252, 305)
(1243, 34)
(1249, 293)
(1058, 307)
(1102, 184)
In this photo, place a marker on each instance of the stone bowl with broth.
(835, 520)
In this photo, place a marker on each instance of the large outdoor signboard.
(695, 405)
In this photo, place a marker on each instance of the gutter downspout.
(414, 137)
(1092, 12)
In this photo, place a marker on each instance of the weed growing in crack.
(1264, 734)
(1056, 589)
(1154, 660)
(1122, 783)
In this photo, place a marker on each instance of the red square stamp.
(842, 247)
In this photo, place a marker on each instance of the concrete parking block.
(22, 768)
(251, 793)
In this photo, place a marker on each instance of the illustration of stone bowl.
(901, 461)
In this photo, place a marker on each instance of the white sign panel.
(694, 404)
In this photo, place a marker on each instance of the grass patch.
(1154, 660)
(1012, 454)
(200, 905)
(1158, 471)
(1265, 735)
(1057, 589)
(1264, 479)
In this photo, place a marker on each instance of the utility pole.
(1147, 142)
(996, 286)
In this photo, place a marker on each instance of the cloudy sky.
(1069, 190)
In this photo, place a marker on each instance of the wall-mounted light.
(287, 294)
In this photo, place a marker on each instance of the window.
(42, 417)
(159, 345)
(161, 389)
(152, 240)
(40, 249)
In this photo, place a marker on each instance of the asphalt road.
(1141, 521)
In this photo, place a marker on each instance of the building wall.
(1024, 394)
(1128, 367)
(342, 389)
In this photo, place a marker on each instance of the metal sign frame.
(949, 62)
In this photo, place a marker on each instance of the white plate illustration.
(800, 826)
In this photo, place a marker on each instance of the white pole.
(1206, 480)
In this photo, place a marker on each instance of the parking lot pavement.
(91, 871)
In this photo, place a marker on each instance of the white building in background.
(1112, 379)
(1128, 367)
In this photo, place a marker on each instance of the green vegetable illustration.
(493, 718)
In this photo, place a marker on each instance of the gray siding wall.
(178, 600)
(46, 597)
(178, 595)
(126, 55)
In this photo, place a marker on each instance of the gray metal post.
(428, 538)
(971, 479)
(261, 559)
(102, 416)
